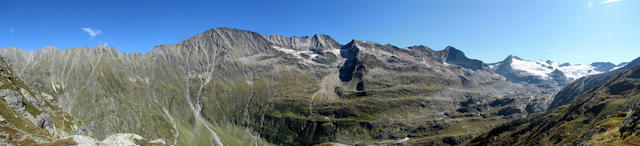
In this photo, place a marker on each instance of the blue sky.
(574, 31)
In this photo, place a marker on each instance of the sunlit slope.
(236, 87)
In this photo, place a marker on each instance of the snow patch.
(537, 68)
(113, 140)
(122, 139)
(298, 54)
(493, 65)
(335, 51)
(576, 71)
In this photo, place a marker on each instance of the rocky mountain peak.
(351, 66)
(512, 57)
(603, 66)
(365, 44)
(228, 38)
(105, 50)
(326, 41)
(317, 43)
(48, 48)
(217, 41)
(455, 56)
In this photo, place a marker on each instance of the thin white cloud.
(92, 32)
(609, 1)
(104, 45)
(12, 30)
(590, 4)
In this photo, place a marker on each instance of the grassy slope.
(22, 129)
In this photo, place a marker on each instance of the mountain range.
(605, 114)
(548, 73)
(235, 87)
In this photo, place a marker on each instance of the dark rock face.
(457, 57)
(559, 77)
(351, 67)
(501, 102)
(13, 98)
(44, 121)
(509, 111)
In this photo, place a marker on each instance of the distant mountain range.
(235, 87)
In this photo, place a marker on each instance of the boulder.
(13, 98)
(631, 123)
(44, 121)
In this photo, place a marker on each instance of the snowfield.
(544, 68)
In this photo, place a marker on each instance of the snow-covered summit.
(547, 74)
(543, 69)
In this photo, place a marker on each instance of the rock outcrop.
(457, 57)
(631, 123)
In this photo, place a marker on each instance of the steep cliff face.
(455, 56)
(605, 115)
(235, 87)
